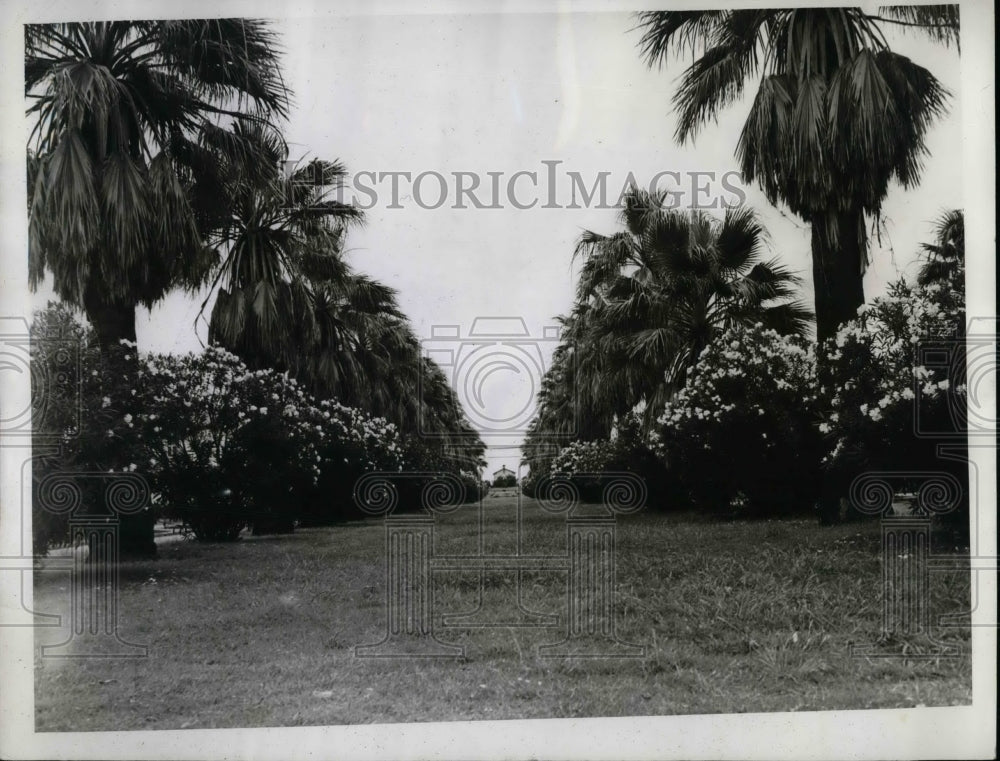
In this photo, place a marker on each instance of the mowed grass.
(734, 617)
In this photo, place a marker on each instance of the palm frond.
(765, 137)
(717, 78)
(740, 238)
(939, 22)
(664, 32)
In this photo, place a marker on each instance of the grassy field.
(734, 617)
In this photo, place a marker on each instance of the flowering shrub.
(473, 487)
(581, 461)
(584, 457)
(585, 462)
(75, 427)
(222, 446)
(879, 384)
(423, 462)
(228, 446)
(741, 434)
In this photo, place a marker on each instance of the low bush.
(897, 375)
(590, 466)
(222, 447)
(741, 435)
(77, 431)
(229, 447)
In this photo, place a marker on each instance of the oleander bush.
(741, 436)
(223, 447)
(898, 385)
(591, 465)
(76, 430)
(258, 437)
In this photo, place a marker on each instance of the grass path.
(734, 617)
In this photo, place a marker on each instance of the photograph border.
(954, 732)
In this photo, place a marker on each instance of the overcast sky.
(503, 93)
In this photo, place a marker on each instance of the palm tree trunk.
(837, 254)
(113, 323)
(837, 276)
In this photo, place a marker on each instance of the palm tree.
(837, 116)
(285, 296)
(651, 297)
(287, 299)
(129, 118)
(559, 417)
(131, 121)
(947, 253)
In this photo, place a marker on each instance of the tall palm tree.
(651, 297)
(128, 120)
(130, 124)
(837, 116)
(288, 299)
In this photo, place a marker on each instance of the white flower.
(943, 385)
(106, 402)
(128, 418)
(824, 428)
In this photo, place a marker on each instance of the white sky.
(503, 93)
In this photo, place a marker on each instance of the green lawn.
(735, 617)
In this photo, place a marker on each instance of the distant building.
(504, 477)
